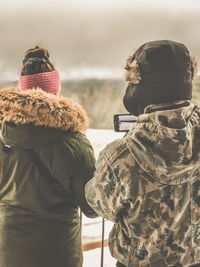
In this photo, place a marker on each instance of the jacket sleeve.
(84, 167)
(106, 192)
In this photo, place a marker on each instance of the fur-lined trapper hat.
(158, 72)
(38, 108)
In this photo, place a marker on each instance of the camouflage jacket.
(148, 184)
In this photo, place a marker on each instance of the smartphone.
(123, 122)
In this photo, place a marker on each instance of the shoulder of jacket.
(78, 144)
(114, 150)
(75, 138)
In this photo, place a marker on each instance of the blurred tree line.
(100, 104)
(102, 98)
(196, 91)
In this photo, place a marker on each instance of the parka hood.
(35, 113)
(166, 144)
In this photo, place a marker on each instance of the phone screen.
(123, 122)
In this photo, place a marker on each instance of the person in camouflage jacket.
(148, 183)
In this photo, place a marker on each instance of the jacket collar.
(167, 106)
(38, 108)
(173, 118)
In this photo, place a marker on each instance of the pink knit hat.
(48, 81)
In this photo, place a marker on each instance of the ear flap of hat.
(133, 74)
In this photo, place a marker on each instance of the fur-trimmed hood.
(39, 108)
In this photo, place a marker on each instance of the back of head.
(158, 72)
(38, 71)
(36, 60)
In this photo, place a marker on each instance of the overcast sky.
(92, 38)
(100, 3)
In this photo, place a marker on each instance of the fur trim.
(194, 67)
(133, 74)
(41, 109)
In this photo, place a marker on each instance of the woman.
(45, 162)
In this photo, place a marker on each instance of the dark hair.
(36, 60)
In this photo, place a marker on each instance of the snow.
(100, 138)
(92, 258)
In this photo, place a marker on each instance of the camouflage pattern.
(148, 184)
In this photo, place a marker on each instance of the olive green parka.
(45, 162)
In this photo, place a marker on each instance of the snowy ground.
(92, 228)
(100, 138)
(92, 258)
(92, 231)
